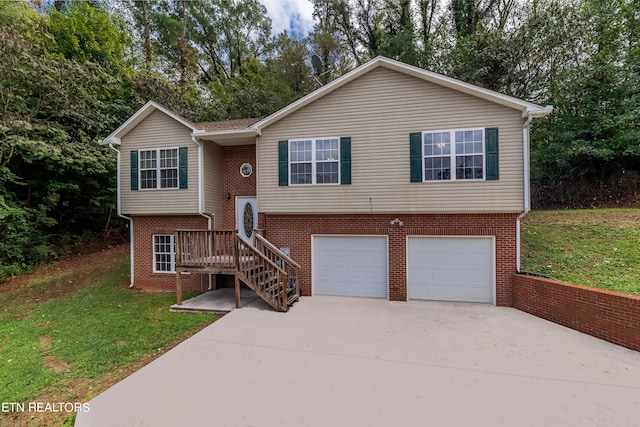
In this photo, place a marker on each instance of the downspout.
(200, 194)
(119, 211)
(526, 182)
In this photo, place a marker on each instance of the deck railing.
(280, 259)
(261, 274)
(263, 267)
(205, 248)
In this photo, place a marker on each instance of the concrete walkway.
(335, 361)
(218, 301)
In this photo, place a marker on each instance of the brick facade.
(144, 227)
(294, 232)
(603, 314)
(235, 184)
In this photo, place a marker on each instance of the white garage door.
(451, 268)
(350, 265)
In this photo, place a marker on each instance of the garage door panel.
(451, 268)
(350, 265)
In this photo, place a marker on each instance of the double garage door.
(438, 268)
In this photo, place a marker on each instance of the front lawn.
(73, 330)
(599, 248)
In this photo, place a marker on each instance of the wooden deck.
(261, 266)
(216, 264)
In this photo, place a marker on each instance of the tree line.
(71, 71)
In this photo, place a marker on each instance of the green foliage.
(57, 182)
(594, 131)
(326, 41)
(254, 93)
(367, 29)
(86, 34)
(289, 67)
(170, 19)
(230, 34)
(17, 12)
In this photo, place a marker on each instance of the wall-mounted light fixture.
(396, 221)
(228, 196)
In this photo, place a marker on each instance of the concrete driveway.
(335, 361)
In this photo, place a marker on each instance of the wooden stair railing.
(283, 261)
(263, 267)
(264, 276)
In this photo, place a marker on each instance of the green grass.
(598, 248)
(65, 346)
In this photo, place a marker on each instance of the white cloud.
(291, 15)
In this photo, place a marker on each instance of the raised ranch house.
(389, 182)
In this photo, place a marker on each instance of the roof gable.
(244, 128)
(526, 108)
(139, 116)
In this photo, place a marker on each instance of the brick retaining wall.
(611, 316)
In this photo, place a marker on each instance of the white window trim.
(158, 169)
(453, 154)
(173, 254)
(313, 161)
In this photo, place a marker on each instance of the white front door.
(246, 217)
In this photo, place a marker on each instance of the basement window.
(164, 253)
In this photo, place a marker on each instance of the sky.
(291, 15)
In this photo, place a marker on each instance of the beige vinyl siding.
(158, 131)
(212, 184)
(378, 111)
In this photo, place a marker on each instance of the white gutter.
(200, 193)
(119, 211)
(526, 179)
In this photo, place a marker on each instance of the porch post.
(236, 256)
(179, 286)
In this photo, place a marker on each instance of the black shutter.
(491, 153)
(182, 168)
(283, 163)
(415, 154)
(134, 170)
(345, 160)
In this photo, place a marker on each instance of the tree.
(84, 33)
(142, 20)
(428, 9)
(254, 93)
(56, 182)
(228, 34)
(593, 135)
(172, 44)
(327, 42)
(289, 65)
